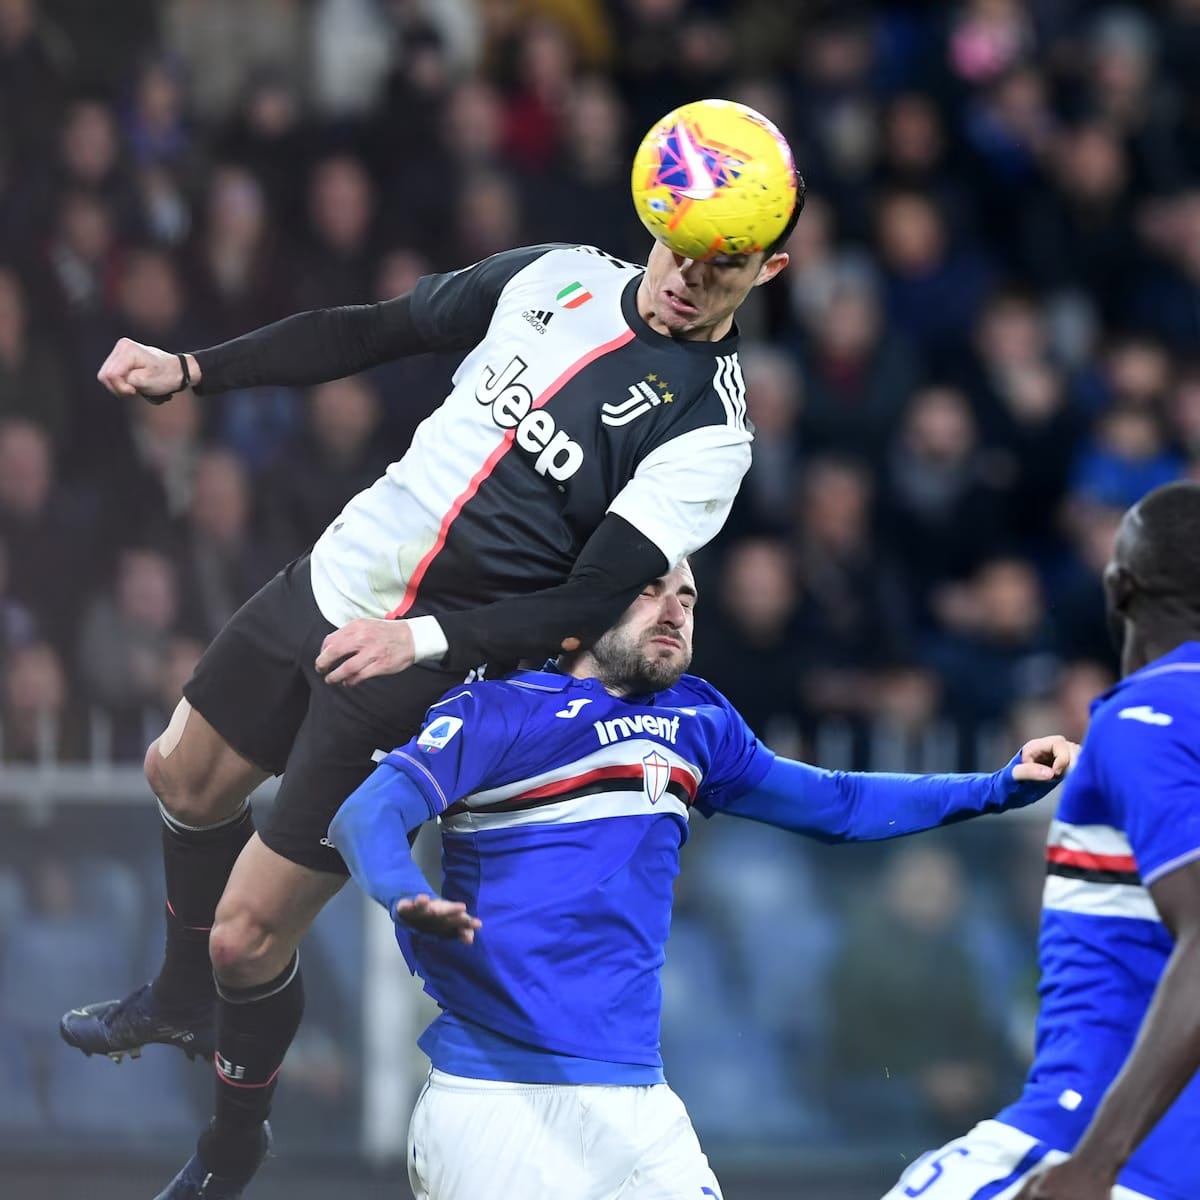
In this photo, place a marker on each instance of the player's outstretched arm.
(443, 312)
(310, 347)
(1163, 1060)
(371, 832)
(859, 806)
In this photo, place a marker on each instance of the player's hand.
(441, 918)
(1070, 1180)
(1045, 758)
(366, 648)
(132, 369)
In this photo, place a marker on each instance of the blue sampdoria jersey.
(601, 787)
(1129, 814)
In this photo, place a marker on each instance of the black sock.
(255, 1027)
(197, 863)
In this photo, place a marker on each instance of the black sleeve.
(443, 312)
(617, 562)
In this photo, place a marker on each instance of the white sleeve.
(682, 491)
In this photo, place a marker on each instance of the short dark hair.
(1164, 557)
(781, 240)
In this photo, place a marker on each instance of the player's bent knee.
(244, 951)
(197, 778)
(187, 800)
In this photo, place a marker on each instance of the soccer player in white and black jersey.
(595, 435)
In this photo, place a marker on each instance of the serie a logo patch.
(435, 737)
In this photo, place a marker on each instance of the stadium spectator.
(145, 482)
(265, 135)
(997, 644)
(858, 370)
(904, 1055)
(751, 649)
(336, 458)
(222, 562)
(47, 531)
(80, 254)
(487, 216)
(944, 495)
(154, 123)
(933, 287)
(237, 277)
(125, 634)
(32, 382)
(1077, 234)
(1076, 602)
(39, 723)
(1166, 302)
(775, 402)
(337, 263)
(588, 184)
(1127, 455)
(34, 62)
(855, 618)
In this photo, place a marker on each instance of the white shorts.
(474, 1138)
(989, 1163)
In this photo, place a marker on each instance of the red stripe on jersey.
(559, 787)
(414, 582)
(1091, 862)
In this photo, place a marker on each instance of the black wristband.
(186, 381)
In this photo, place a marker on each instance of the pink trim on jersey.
(414, 581)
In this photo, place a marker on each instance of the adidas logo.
(538, 318)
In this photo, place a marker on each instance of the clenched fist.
(132, 369)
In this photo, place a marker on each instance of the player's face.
(684, 298)
(651, 646)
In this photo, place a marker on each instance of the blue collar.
(551, 678)
(1184, 653)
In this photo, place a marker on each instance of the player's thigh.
(334, 751)
(471, 1138)
(669, 1163)
(250, 685)
(992, 1161)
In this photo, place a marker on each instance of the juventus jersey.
(569, 407)
(1130, 814)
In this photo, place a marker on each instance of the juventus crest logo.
(644, 395)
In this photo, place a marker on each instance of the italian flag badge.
(573, 295)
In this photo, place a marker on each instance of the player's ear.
(1119, 588)
(772, 265)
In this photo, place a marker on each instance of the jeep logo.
(535, 431)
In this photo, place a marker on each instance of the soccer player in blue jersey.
(564, 797)
(1111, 1107)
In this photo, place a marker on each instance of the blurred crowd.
(986, 346)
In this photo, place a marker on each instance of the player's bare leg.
(202, 784)
(267, 907)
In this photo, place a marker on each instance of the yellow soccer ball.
(714, 177)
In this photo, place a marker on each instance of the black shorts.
(259, 689)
